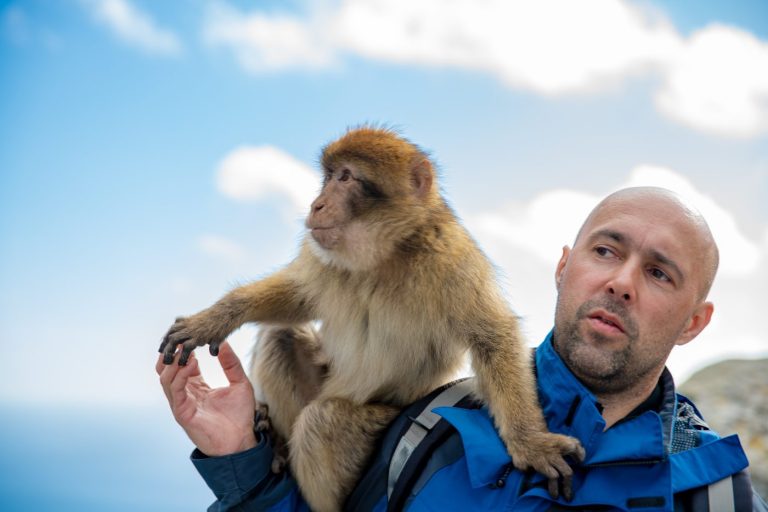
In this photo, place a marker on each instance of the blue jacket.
(658, 460)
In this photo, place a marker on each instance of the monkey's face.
(377, 189)
(347, 200)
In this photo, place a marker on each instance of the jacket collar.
(630, 450)
(570, 409)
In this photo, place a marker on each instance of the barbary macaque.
(401, 292)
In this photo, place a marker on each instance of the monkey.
(401, 292)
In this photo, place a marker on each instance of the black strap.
(373, 485)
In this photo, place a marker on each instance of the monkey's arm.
(502, 363)
(278, 298)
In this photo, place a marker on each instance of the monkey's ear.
(421, 177)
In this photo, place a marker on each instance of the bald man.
(633, 286)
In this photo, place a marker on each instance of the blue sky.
(155, 154)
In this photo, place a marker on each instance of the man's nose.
(622, 282)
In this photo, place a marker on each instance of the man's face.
(628, 292)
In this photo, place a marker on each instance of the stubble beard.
(602, 369)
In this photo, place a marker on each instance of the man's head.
(633, 286)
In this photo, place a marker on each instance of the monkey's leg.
(287, 368)
(331, 442)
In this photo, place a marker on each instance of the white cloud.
(538, 226)
(525, 240)
(739, 256)
(718, 83)
(714, 81)
(221, 247)
(266, 43)
(249, 173)
(548, 46)
(134, 26)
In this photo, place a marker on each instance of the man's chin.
(594, 363)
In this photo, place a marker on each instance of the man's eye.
(603, 251)
(659, 274)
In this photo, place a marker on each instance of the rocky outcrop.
(733, 398)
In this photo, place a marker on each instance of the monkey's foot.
(262, 425)
(546, 452)
(261, 421)
(279, 463)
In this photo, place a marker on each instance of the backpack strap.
(394, 467)
(720, 495)
(733, 493)
(421, 426)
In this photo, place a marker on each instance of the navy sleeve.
(243, 482)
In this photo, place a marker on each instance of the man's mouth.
(606, 319)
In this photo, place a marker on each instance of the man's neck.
(617, 405)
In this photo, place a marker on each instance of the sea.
(100, 459)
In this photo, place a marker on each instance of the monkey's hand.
(191, 332)
(546, 452)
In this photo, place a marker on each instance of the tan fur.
(402, 292)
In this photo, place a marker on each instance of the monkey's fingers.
(559, 472)
(213, 348)
(178, 324)
(547, 453)
(553, 476)
(562, 485)
(567, 488)
(171, 342)
(186, 350)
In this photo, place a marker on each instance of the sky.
(153, 155)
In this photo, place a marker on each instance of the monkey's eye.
(345, 175)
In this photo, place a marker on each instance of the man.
(633, 286)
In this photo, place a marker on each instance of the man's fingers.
(167, 374)
(178, 387)
(231, 364)
(159, 366)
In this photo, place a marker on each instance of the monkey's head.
(377, 189)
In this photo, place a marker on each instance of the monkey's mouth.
(327, 237)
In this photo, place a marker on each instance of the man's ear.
(699, 320)
(561, 265)
(422, 177)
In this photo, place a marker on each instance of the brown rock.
(733, 398)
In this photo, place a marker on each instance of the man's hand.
(219, 421)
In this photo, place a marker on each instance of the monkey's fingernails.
(567, 489)
(168, 358)
(213, 348)
(185, 352)
(552, 488)
(580, 454)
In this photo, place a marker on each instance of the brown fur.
(402, 292)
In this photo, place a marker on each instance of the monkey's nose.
(318, 207)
